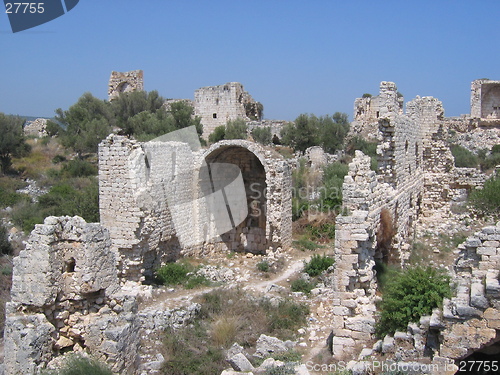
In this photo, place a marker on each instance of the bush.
(304, 243)
(318, 264)
(463, 157)
(79, 168)
(487, 199)
(173, 273)
(77, 365)
(495, 149)
(301, 285)
(409, 295)
(181, 273)
(236, 129)
(5, 246)
(263, 266)
(58, 159)
(262, 135)
(218, 134)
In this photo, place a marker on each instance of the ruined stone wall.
(150, 201)
(381, 209)
(368, 110)
(66, 296)
(125, 82)
(275, 126)
(485, 99)
(216, 105)
(36, 128)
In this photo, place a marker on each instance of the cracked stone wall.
(125, 82)
(216, 105)
(138, 179)
(66, 297)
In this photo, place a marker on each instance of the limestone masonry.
(125, 82)
(75, 286)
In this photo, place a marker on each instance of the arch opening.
(250, 234)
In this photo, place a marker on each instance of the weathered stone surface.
(28, 342)
(240, 363)
(125, 82)
(267, 345)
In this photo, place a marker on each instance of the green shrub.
(263, 266)
(236, 129)
(262, 135)
(5, 246)
(409, 295)
(301, 285)
(487, 199)
(181, 273)
(58, 159)
(218, 134)
(25, 215)
(79, 168)
(195, 281)
(366, 95)
(495, 149)
(318, 264)
(489, 162)
(304, 243)
(77, 365)
(173, 273)
(463, 157)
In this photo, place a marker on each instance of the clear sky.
(294, 56)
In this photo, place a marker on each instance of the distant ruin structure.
(125, 82)
(216, 105)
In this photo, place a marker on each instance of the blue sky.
(293, 56)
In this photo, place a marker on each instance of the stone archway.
(268, 222)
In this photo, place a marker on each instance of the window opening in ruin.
(406, 146)
(69, 265)
(214, 115)
(217, 101)
(378, 114)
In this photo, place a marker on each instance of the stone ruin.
(69, 304)
(125, 82)
(36, 128)
(216, 105)
(416, 180)
(133, 206)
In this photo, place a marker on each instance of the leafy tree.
(127, 105)
(53, 128)
(332, 131)
(12, 141)
(309, 130)
(236, 129)
(87, 123)
(262, 135)
(301, 134)
(218, 134)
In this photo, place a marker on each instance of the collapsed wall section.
(64, 297)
